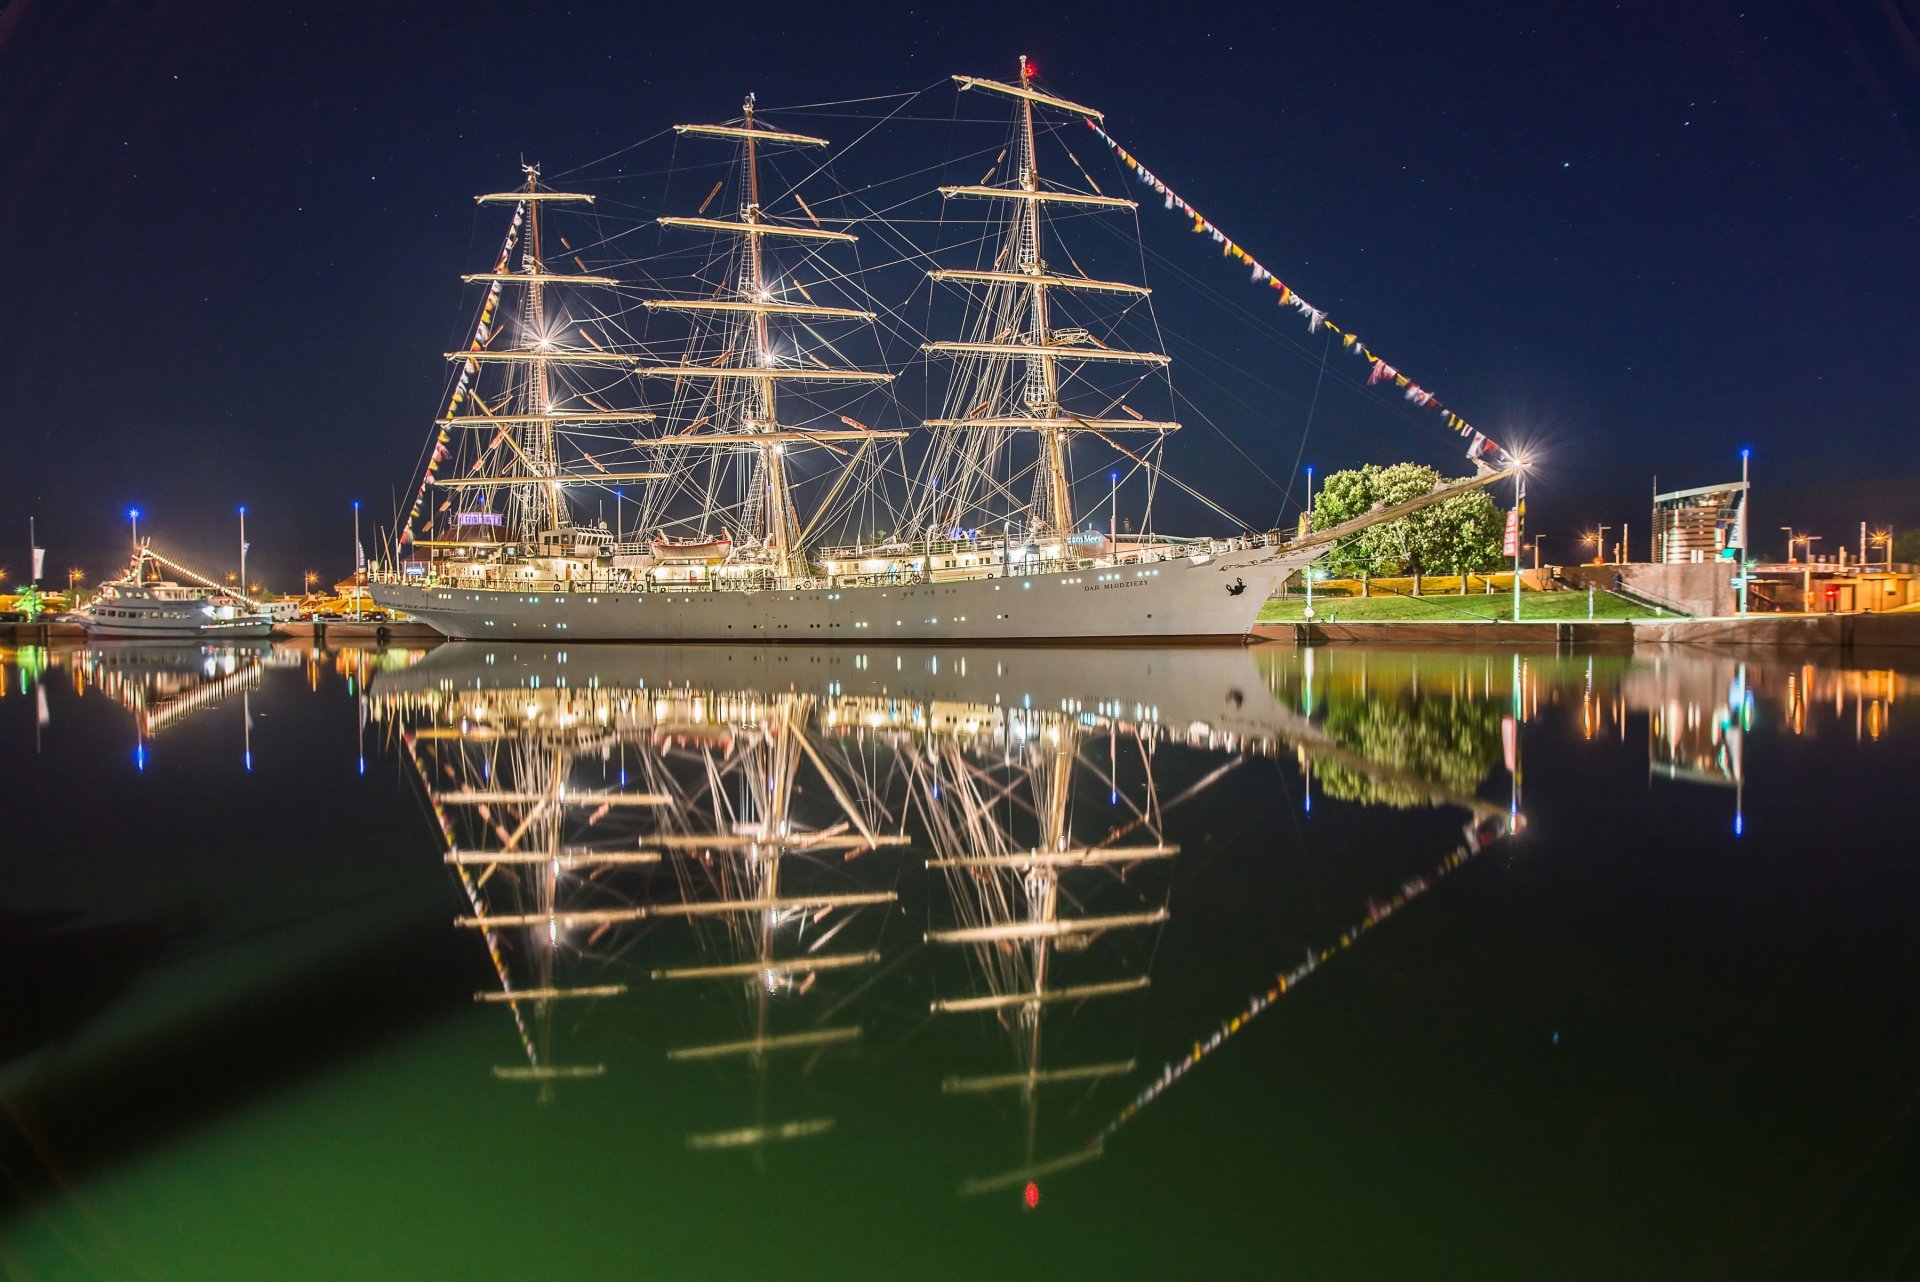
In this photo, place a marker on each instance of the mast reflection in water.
(871, 929)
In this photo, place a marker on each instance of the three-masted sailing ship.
(724, 550)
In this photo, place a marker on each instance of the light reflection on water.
(962, 922)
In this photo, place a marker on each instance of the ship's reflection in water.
(899, 924)
(656, 817)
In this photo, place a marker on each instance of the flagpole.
(243, 550)
(33, 553)
(356, 559)
(1519, 506)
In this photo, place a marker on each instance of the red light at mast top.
(1028, 70)
(1032, 1195)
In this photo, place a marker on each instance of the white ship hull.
(1212, 597)
(171, 625)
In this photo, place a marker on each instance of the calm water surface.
(520, 962)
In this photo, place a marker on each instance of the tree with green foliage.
(1459, 535)
(1906, 547)
(27, 601)
(1452, 743)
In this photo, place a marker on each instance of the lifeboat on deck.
(691, 551)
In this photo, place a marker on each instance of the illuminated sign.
(477, 518)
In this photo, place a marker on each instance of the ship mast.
(1038, 406)
(1042, 386)
(529, 465)
(759, 429)
(773, 465)
(546, 510)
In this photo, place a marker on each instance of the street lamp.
(1790, 542)
(1536, 550)
(1884, 538)
(133, 514)
(1519, 514)
(243, 543)
(1809, 540)
(1599, 537)
(73, 586)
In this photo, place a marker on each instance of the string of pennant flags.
(1479, 447)
(1478, 838)
(469, 370)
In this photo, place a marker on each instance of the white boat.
(141, 604)
(753, 431)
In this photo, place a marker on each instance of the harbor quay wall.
(1784, 632)
(1547, 635)
(1787, 631)
(1705, 589)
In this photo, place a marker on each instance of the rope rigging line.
(1481, 449)
(1305, 432)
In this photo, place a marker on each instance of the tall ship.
(763, 505)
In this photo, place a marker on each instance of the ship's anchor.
(1236, 587)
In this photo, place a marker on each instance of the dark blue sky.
(1643, 235)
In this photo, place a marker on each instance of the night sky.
(1639, 236)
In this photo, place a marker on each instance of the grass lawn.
(1473, 608)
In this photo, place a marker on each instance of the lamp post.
(1806, 574)
(1309, 496)
(1519, 513)
(133, 514)
(1791, 540)
(1536, 550)
(73, 587)
(358, 559)
(1744, 560)
(1600, 544)
(243, 547)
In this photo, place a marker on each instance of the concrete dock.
(1837, 632)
